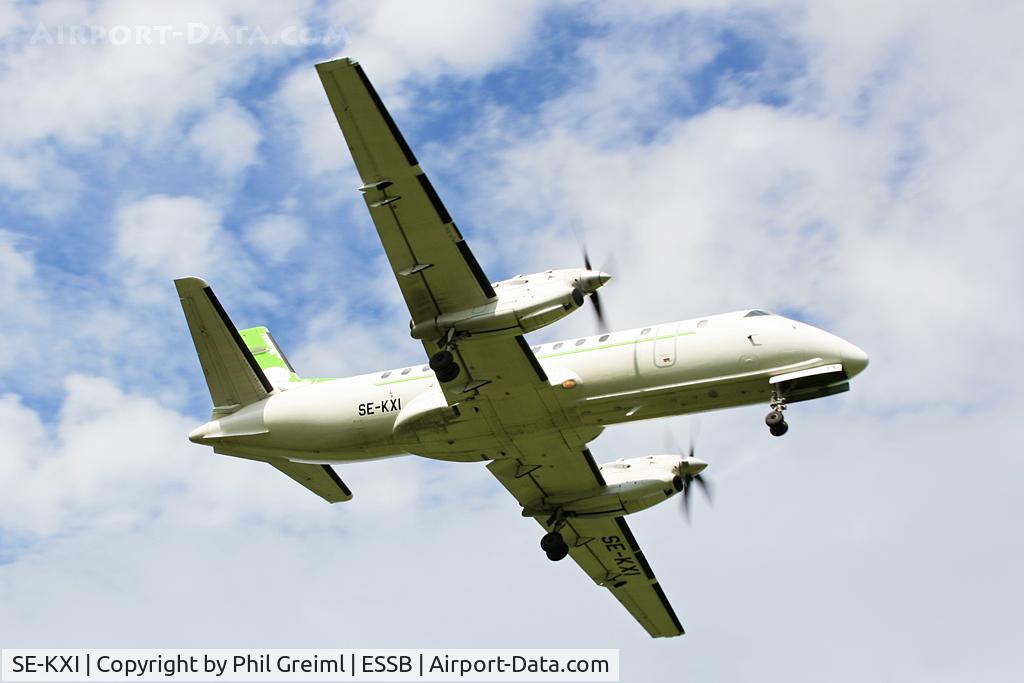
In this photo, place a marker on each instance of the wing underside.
(434, 266)
(604, 547)
(537, 448)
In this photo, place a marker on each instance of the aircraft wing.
(433, 264)
(604, 547)
(538, 450)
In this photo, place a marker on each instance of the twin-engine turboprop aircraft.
(485, 394)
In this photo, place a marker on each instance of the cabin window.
(406, 371)
(535, 349)
(645, 330)
(424, 368)
(702, 324)
(603, 337)
(386, 375)
(579, 342)
(557, 346)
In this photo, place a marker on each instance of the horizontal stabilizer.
(232, 374)
(320, 479)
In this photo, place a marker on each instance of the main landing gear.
(554, 546)
(552, 542)
(444, 366)
(775, 420)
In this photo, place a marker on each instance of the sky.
(853, 165)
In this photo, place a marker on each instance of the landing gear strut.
(552, 543)
(775, 420)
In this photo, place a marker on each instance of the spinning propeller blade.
(688, 479)
(602, 322)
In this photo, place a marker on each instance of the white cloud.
(389, 40)
(15, 268)
(115, 461)
(168, 236)
(139, 91)
(104, 441)
(303, 105)
(25, 314)
(227, 138)
(276, 236)
(123, 101)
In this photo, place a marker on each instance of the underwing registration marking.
(624, 559)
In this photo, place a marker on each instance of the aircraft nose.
(853, 358)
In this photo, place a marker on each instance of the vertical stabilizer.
(232, 374)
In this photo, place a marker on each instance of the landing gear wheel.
(774, 418)
(779, 429)
(558, 552)
(441, 360)
(551, 540)
(448, 372)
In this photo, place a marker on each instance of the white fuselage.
(670, 369)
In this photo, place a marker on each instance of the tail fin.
(233, 376)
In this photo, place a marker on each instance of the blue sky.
(844, 165)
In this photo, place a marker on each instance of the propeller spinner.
(690, 469)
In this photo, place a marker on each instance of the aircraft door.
(665, 345)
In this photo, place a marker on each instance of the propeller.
(689, 479)
(602, 322)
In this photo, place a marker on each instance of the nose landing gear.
(775, 420)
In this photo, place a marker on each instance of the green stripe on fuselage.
(569, 352)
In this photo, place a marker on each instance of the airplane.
(484, 393)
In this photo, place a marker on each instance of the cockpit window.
(756, 312)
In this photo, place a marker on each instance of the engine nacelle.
(630, 486)
(523, 304)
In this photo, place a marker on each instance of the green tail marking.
(266, 351)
